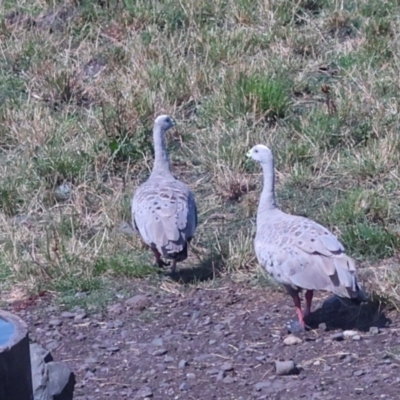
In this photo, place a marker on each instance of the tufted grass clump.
(80, 86)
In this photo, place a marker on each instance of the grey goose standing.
(163, 208)
(298, 252)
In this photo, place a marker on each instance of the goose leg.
(159, 262)
(297, 326)
(309, 296)
(173, 268)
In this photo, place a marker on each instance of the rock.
(185, 386)
(190, 375)
(292, 340)
(157, 342)
(337, 336)
(38, 351)
(349, 334)
(61, 381)
(322, 326)
(358, 373)
(55, 322)
(261, 385)
(356, 337)
(67, 314)
(138, 302)
(80, 337)
(228, 379)
(212, 371)
(286, 368)
(182, 364)
(144, 392)
(211, 342)
(220, 375)
(374, 330)
(169, 359)
(112, 349)
(226, 367)
(159, 352)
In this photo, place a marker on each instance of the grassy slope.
(81, 81)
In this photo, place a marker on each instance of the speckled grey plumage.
(296, 251)
(163, 208)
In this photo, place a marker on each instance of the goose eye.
(256, 151)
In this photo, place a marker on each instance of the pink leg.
(297, 304)
(309, 295)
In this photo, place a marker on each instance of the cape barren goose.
(296, 251)
(163, 208)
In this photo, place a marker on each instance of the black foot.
(161, 264)
(296, 327)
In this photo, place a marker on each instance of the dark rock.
(61, 381)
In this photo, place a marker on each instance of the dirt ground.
(218, 342)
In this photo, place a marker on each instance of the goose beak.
(248, 154)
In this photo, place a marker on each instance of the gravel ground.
(228, 341)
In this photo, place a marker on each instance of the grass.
(80, 86)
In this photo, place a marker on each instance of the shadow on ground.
(339, 314)
(207, 269)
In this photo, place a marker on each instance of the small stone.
(286, 368)
(327, 368)
(292, 340)
(157, 342)
(261, 358)
(190, 375)
(144, 392)
(211, 342)
(356, 337)
(185, 386)
(349, 334)
(67, 314)
(112, 349)
(221, 375)
(138, 302)
(159, 352)
(226, 367)
(261, 385)
(80, 337)
(374, 330)
(228, 379)
(317, 363)
(182, 364)
(322, 326)
(80, 317)
(337, 336)
(212, 371)
(168, 359)
(358, 373)
(55, 322)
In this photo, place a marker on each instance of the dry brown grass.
(81, 82)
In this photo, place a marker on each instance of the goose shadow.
(343, 314)
(207, 269)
